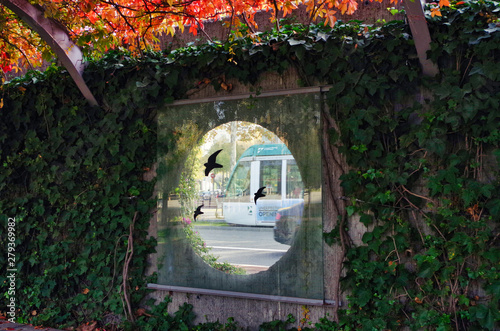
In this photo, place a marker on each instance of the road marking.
(250, 249)
(250, 265)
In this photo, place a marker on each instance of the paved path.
(6, 326)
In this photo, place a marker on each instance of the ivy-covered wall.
(422, 152)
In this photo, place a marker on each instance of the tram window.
(270, 177)
(294, 185)
(240, 185)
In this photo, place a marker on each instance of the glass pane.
(270, 178)
(284, 222)
(238, 188)
(294, 185)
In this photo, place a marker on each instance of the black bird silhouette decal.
(259, 194)
(198, 212)
(211, 164)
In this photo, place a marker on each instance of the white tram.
(271, 166)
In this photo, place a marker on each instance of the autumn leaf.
(435, 12)
(288, 7)
(444, 3)
(142, 312)
(87, 326)
(392, 266)
(85, 291)
(474, 212)
(204, 81)
(226, 87)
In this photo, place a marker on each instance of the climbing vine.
(422, 157)
(72, 176)
(424, 180)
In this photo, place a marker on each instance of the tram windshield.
(270, 178)
(239, 187)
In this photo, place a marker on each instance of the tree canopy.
(98, 25)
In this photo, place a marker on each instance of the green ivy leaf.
(141, 84)
(494, 207)
(366, 219)
(485, 315)
(337, 88)
(295, 42)
(363, 296)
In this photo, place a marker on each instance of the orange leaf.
(227, 87)
(85, 291)
(435, 12)
(474, 212)
(343, 7)
(193, 29)
(142, 312)
(445, 3)
(353, 5)
(87, 327)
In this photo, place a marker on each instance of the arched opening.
(251, 206)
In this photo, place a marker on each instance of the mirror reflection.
(279, 230)
(243, 198)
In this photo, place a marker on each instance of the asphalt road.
(251, 248)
